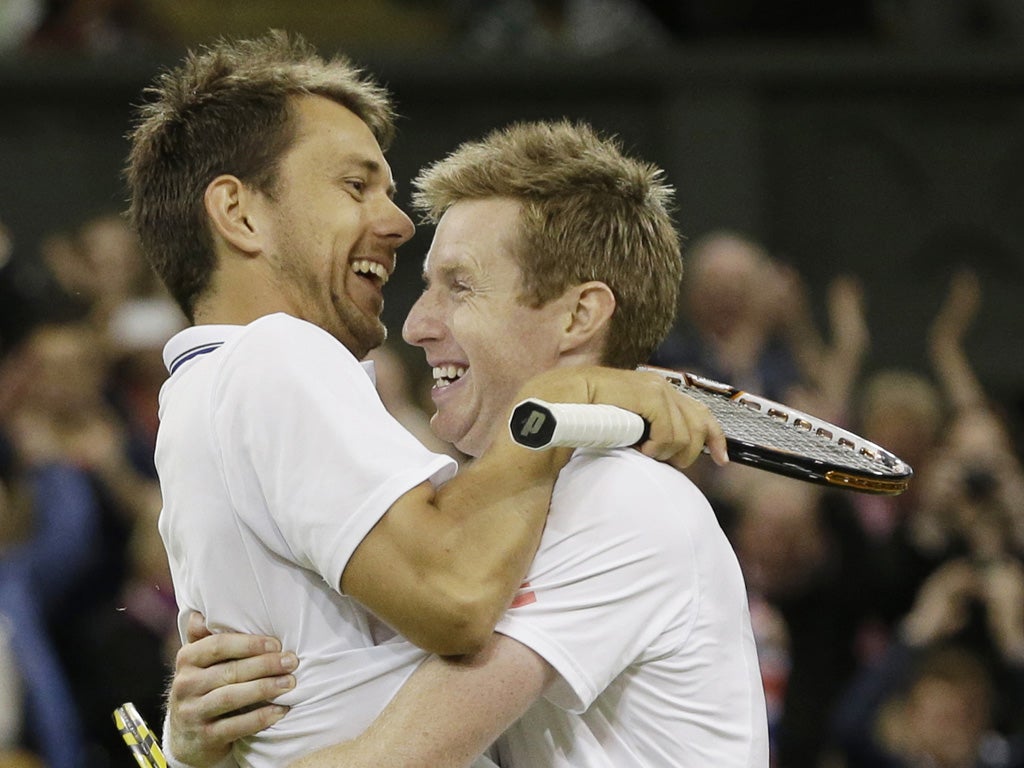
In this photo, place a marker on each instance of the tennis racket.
(759, 432)
(138, 737)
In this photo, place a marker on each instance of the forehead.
(478, 235)
(330, 134)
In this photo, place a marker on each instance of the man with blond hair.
(629, 643)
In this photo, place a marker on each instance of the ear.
(234, 210)
(590, 308)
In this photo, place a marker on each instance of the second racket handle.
(538, 424)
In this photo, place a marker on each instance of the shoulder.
(623, 490)
(290, 337)
(626, 471)
(281, 346)
(279, 359)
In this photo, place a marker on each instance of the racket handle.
(537, 424)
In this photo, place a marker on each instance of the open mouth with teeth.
(371, 270)
(447, 374)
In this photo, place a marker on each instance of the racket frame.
(891, 478)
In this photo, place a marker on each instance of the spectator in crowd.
(88, 26)
(746, 319)
(547, 27)
(48, 525)
(949, 691)
(15, 320)
(60, 419)
(125, 646)
(955, 656)
(803, 559)
(728, 329)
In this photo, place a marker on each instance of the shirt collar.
(195, 341)
(203, 339)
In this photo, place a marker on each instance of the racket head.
(775, 437)
(137, 735)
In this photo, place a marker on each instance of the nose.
(394, 224)
(423, 323)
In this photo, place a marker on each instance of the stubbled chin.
(442, 429)
(454, 430)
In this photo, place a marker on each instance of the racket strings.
(745, 424)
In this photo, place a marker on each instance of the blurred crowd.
(890, 629)
(86, 605)
(588, 27)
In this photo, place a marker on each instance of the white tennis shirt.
(636, 598)
(276, 457)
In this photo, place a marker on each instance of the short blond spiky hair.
(226, 109)
(588, 213)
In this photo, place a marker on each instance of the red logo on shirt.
(524, 598)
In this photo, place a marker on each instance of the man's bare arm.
(440, 568)
(448, 712)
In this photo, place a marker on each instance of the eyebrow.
(447, 272)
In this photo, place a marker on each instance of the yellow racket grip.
(138, 736)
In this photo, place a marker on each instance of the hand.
(1002, 587)
(680, 426)
(222, 688)
(784, 298)
(847, 317)
(940, 608)
(958, 310)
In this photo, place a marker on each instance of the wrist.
(228, 761)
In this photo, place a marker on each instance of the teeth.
(446, 374)
(365, 266)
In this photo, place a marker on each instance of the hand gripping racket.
(759, 433)
(139, 737)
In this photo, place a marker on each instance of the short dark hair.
(226, 110)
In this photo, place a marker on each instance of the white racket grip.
(537, 424)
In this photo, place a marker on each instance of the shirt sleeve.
(307, 429)
(613, 576)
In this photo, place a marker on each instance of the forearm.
(440, 568)
(500, 504)
(448, 712)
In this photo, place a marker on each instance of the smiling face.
(334, 224)
(481, 341)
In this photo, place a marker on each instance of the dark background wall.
(895, 166)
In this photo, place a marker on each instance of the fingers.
(197, 740)
(253, 683)
(214, 649)
(681, 428)
(229, 729)
(196, 629)
(715, 442)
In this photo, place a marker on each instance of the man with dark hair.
(294, 505)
